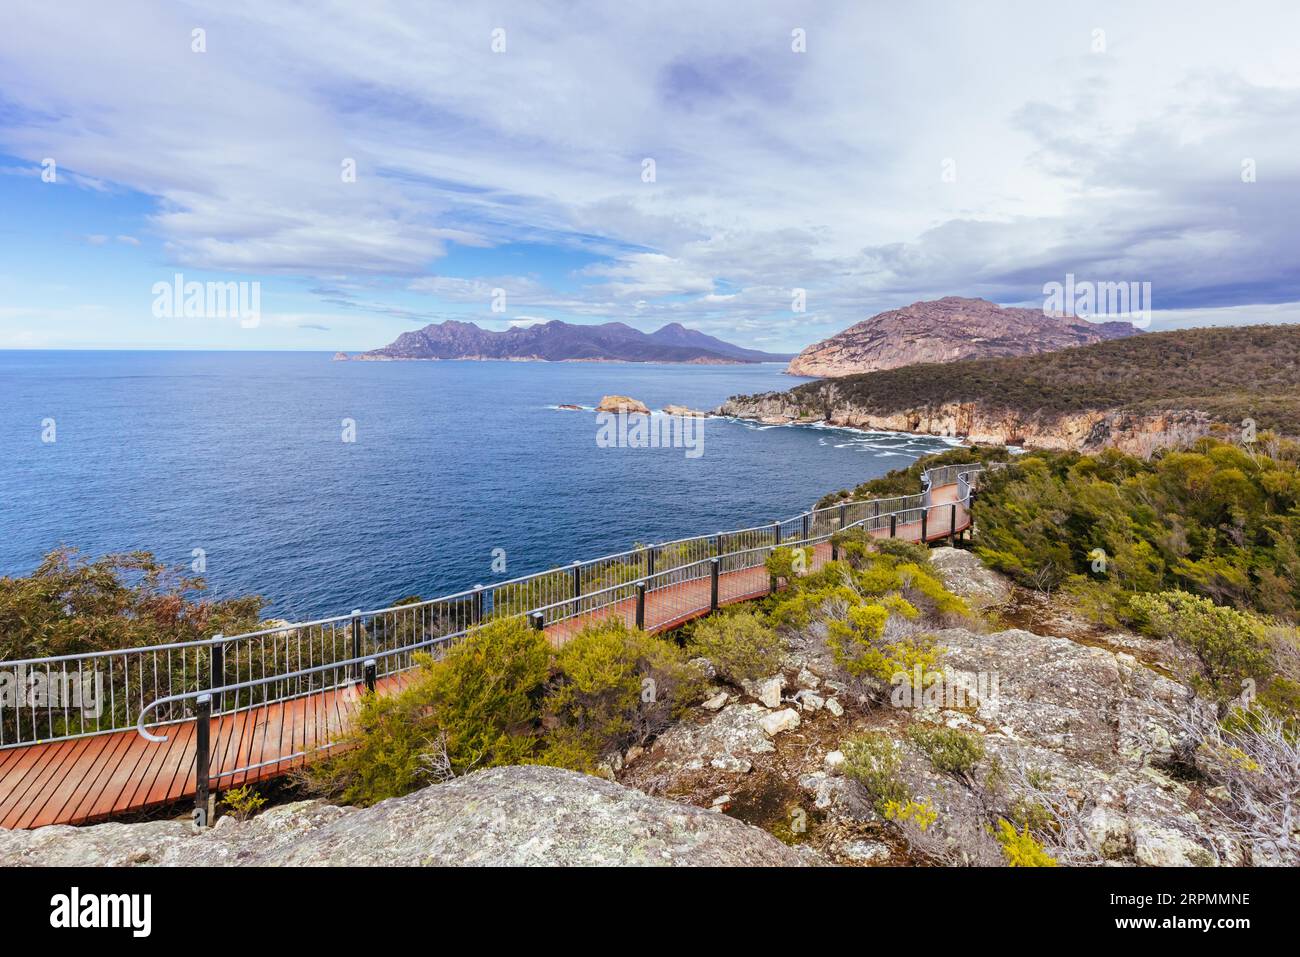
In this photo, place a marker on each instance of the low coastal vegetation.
(504, 696)
(1197, 545)
(72, 604)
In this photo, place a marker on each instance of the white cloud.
(774, 170)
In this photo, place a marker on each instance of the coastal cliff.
(1137, 394)
(1136, 433)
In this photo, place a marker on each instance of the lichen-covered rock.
(502, 816)
(966, 576)
(732, 732)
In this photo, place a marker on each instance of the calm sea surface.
(242, 455)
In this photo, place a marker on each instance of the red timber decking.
(90, 778)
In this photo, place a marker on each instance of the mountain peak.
(945, 330)
(555, 340)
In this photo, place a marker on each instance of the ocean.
(240, 461)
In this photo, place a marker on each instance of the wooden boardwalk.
(91, 778)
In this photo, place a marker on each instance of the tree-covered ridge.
(1231, 373)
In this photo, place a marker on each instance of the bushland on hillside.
(1200, 545)
(1216, 519)
(1231, 373)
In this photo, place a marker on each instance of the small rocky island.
(630, 406)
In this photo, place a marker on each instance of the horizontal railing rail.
(100, 692)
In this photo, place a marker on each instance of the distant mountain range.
(558, 341)
(945, 330)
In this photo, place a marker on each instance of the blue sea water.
(242, 455)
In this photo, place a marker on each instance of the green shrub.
(1231, 645)
(483, 694)
(378, 758)
(740, 644)
(1020, 848)
(475, 707)
(614, 687)
(903, 550)
(856, 606)
(873, 761)
(949, 749)
(789, 563)
(71, 604)
(243, 801)
(921, 814)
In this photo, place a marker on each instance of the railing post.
(807, 526)
(356, 642)
(217, 669)
(577, 582)
(370, 675)
(640, 605)
(714, 564)
(649, 560)
(893, 524)
(776, 531)
(477, 614)
(952, 526)
(925, 514)
(202, 734)
(835, 550)
(538, 621)
(717, 545)
(771, 578)
(844, 514)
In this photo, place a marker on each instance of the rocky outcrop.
(1137, 433)
(946, 330)
(684, 411)
(340, 357)
(1087, 728)
(968, 577)
(622, 404)
(500, 817)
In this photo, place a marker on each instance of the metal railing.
(161, 685)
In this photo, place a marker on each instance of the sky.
(639, 162)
